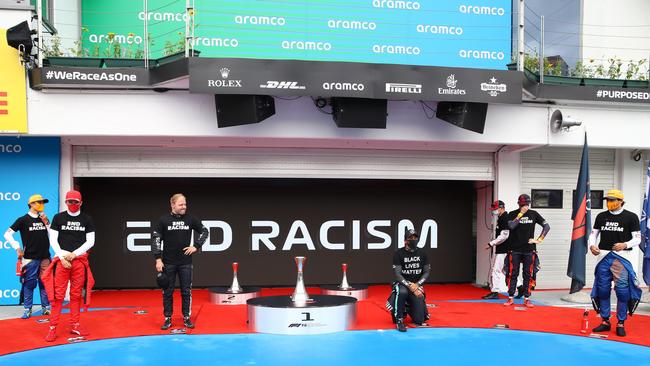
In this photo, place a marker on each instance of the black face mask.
(412, 243)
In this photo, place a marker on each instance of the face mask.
(495, 212)
(39, 207)
(413, 243)
(73, 207)
(613, 205)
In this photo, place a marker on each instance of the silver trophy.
(235, 288)
(300, 294)
(344, 283)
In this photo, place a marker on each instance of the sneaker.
(167, 324)
(520, 292)
(27, 314)
(528, 303)
(400, 325)
(620, 330)
(78, 330)
(491, 296)
(605, 326)
(187, 322)
(45, 311)
(51, 334)
(510, 302)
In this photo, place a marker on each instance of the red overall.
(56, 278)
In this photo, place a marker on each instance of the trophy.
(344, 283)
(300, 294)
(234, 288)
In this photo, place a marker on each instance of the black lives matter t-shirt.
(33, 233)
(524, 231)
(72, 229)
(615, 228)
(412, 263)
(176, 233)
(502, 224)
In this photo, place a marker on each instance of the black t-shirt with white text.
(412, 263)
(524, 231)
(615, 228)
(33, 234)
(502, 224)
(176, 233)
(72, 229)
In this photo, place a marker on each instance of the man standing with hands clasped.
(619, 232)
(173, 252)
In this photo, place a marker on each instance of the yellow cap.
(614, 194)
(36, 198)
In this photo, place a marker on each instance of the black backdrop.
(114, 201)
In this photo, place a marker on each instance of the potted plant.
(76, 57)
(175, 50)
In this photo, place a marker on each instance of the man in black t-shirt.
(411, 267)
(619, 232)
(72, 234)
(173, 252)
(500, 248)
(523, 248)
(35, 255)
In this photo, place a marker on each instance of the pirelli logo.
(3, 103)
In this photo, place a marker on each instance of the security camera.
(558, 122)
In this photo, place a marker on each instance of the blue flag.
(581, 217)
(645, 230)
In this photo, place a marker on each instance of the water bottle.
(585, 322)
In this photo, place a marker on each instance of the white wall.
(614, 28)
(11, 17)
(67, 21)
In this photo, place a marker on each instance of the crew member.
(500, 249)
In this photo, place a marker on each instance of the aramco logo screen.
(453, 33)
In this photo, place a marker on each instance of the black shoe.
(520, 292)
(620, 330)
(491, 296)
(605, 326)
(400, 325)
(188, 323)
(167, 324)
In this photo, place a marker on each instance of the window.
(596, 199)
(48, 14)
(546, 198)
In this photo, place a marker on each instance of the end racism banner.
(264, 223)
(30, 166)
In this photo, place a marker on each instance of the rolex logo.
(224, 72)
(451, 81)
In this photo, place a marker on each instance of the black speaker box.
(470, 116)
(359, 112)
(235, 110)
(20, 34)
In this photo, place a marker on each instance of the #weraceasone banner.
(13, 93)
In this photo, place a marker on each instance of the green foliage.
(613, 68)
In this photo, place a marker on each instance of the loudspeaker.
(235, 110)
(470, 116)
(359, 112)
(20, 34)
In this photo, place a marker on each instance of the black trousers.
(184, 273)
(406, 302)
(516, 259)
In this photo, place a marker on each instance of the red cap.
(73, 195)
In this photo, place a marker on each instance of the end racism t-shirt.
(615, 228)
(176, 233)
(524, 231)
(33, 233)
(72, 229)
